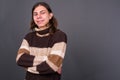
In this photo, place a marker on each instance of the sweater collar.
(42, 32)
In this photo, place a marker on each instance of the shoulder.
(29, 35)
(60, 33)
(60, 36)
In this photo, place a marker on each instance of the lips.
(40, 21)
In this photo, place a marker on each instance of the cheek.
(34, 18)
(47, 18)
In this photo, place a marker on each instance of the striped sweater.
(42, 53)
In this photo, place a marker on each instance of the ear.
(51, 15)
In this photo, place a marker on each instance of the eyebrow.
(40, 11)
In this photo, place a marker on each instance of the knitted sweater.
(42, 53)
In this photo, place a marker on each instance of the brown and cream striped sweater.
(42, 53)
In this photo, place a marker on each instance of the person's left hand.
(59, 70)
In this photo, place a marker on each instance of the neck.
(41, 28)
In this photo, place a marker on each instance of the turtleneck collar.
(42, 32)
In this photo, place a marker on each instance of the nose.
(39, 16)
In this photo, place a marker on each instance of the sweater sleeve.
(24, 57)
(55, 58)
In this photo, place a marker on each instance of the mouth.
(40, 21)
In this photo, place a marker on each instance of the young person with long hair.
(42, 51)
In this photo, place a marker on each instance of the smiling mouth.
(40, 21)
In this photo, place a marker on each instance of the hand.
(59, 71)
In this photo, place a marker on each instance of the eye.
(35, 14)
(42, 12)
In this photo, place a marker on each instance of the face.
(41, 16)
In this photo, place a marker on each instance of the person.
(43, 49)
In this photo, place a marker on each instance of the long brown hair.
(53, 22)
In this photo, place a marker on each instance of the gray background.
(93, 29)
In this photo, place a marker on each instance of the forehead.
(40, 8)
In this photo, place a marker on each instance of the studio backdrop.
(92, 27)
